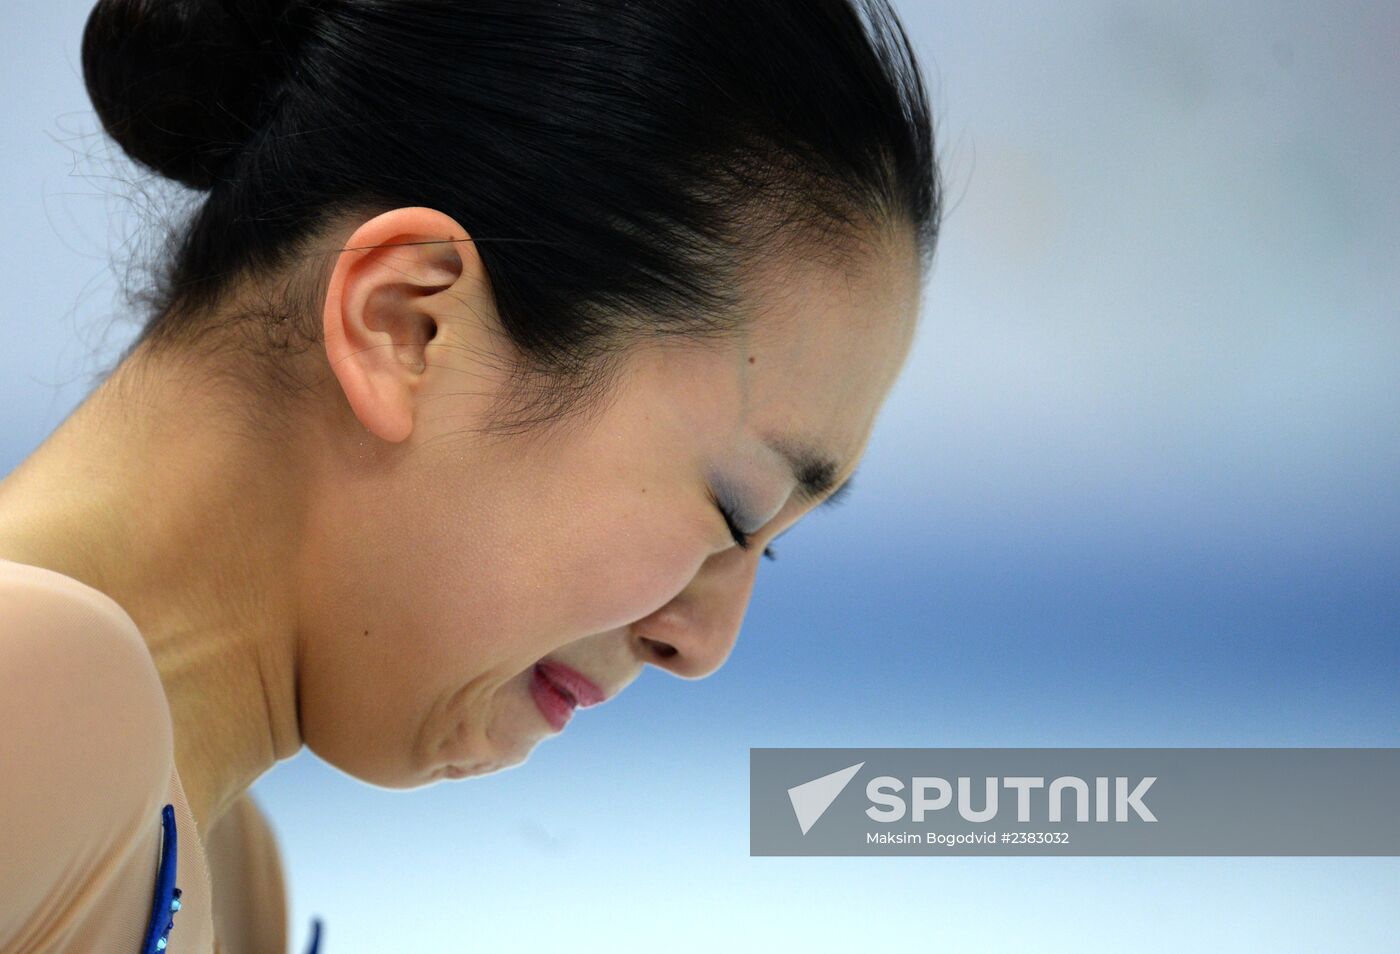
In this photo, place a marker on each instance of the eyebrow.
(814, 471)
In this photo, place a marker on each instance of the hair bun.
(181, 84)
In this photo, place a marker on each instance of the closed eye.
(740, 537)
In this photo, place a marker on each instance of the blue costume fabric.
(167, 899)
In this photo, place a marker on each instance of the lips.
(573, 685)
(558, 690)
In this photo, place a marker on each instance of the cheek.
(519, 583)
(614, 565)
(596, 555)
(620, 587)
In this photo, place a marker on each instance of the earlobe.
(377, 320)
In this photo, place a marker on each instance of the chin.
(480, 767)
(476, 766)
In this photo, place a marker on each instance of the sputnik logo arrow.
(810, 800)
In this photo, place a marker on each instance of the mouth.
(558, 690)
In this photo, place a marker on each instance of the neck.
(153, 493)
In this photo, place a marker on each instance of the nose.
(693, 634)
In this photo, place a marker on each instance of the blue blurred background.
(1138, 486)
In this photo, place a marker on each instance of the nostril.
(664, 650)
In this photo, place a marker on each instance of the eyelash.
(740, 537)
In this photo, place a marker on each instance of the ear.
(379, 313)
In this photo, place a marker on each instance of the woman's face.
(443, 565)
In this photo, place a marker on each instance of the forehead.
(826, 343)
(822, 346)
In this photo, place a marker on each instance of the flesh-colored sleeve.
(245, 867)
(85, 750)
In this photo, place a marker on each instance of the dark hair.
(618, 164)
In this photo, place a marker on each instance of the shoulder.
(77, 671)
(86, 744)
